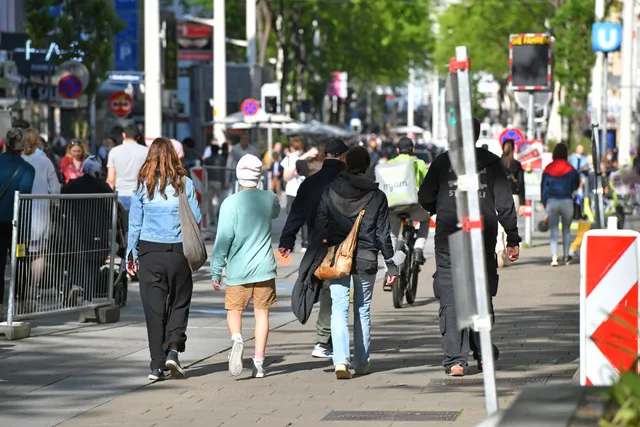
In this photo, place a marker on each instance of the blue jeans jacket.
(158, 220)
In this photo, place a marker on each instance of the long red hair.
(162, 167)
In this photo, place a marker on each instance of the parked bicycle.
(407, 284)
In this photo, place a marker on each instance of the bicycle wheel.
(398, 289)
(412, 289)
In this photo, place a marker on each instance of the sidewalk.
(536, 330)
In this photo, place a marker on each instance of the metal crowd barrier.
(63, 253)
(215, 190)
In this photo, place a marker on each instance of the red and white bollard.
(527, 222)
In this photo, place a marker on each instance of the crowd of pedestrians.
(332, 200)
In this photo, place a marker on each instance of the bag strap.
(8, 184)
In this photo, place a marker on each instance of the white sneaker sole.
(235, 358)
(176, 370)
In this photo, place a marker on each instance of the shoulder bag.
(192, 241)
(339, 259)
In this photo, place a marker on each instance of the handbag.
(192, 241)
(398, 182)
(339, 259)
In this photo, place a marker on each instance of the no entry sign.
(120, 104)
(69, 87)
(250, 107)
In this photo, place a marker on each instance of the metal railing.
(63, 253)
(215, 190)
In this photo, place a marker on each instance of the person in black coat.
(515, 176)
(304, 211)
(348, 196)
(437, 195)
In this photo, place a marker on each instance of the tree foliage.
(84, 28)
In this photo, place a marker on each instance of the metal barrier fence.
(215, 190)
(63, 253)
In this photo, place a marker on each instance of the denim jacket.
(158, 220)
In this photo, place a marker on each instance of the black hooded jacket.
(305, 205)
(437, 196)
(339, 207)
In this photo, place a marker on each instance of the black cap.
(336, 146)
(405, 145)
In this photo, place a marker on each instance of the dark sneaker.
(496, 356)
(173, 364)
(419, 256)
(157, 375)
(455, 370)
(567, 260)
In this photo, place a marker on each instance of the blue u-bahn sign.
(606, 37)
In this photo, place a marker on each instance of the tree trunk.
(264, 23)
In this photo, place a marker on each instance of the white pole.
(530, 122)
(251, 40)
(624, 158)
(270, 148)
(410, 96)
(596, 76)
(219, 67)
(153, 72)
(527, 223)
(605, 104)
(435, 108)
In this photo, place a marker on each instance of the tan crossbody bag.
(339, 259)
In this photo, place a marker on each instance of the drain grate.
(392, 416)
(479, 382)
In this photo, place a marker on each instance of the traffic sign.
(120, 104)
(513, 133)
(250, 107)
(69, 87)
(606, 37)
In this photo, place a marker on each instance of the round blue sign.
(250, 107)
(69, 87)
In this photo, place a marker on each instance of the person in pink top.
(177, 145)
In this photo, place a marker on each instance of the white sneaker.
(554, 261)
(235, 357)
(258, 369)
(343, 372)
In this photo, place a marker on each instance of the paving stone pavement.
(536, 330)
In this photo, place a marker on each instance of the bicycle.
(407, 284)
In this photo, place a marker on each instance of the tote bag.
(398, 182)
(192, 241)
(339, 260)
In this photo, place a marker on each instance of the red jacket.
(68, 169)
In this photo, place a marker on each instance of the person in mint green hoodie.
(243, 246)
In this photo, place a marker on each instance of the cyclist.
(406, 153)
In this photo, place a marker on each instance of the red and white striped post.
(527, 222)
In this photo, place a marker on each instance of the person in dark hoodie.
(437, 196)
(340, 205)
(304, 211)
(559, 181)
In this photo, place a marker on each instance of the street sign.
(120, 104)
(125, 76)
(68, 103)
(606, 37)
(530, 62)
(250, 107)
(126, 42)
(69, 87)
(513, 133)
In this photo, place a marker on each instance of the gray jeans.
(323, 324)
(560, 210)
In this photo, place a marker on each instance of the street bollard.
(527, 223)
(612, 223)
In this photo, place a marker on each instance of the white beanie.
(249, 170)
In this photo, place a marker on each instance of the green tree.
(84, 28)
(574, 60)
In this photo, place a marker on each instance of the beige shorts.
(262, 293)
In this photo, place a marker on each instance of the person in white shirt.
(124, 164)
(237, 152)
(292, 176)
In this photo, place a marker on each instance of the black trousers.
(304, 230)
(166, 286)
(456, 343)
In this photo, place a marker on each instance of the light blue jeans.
(362, 293)
(557, 210)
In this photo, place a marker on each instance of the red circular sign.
(120, 104)
(69, 87)
(250, 107)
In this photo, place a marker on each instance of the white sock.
(259, 359)
(236, 337)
